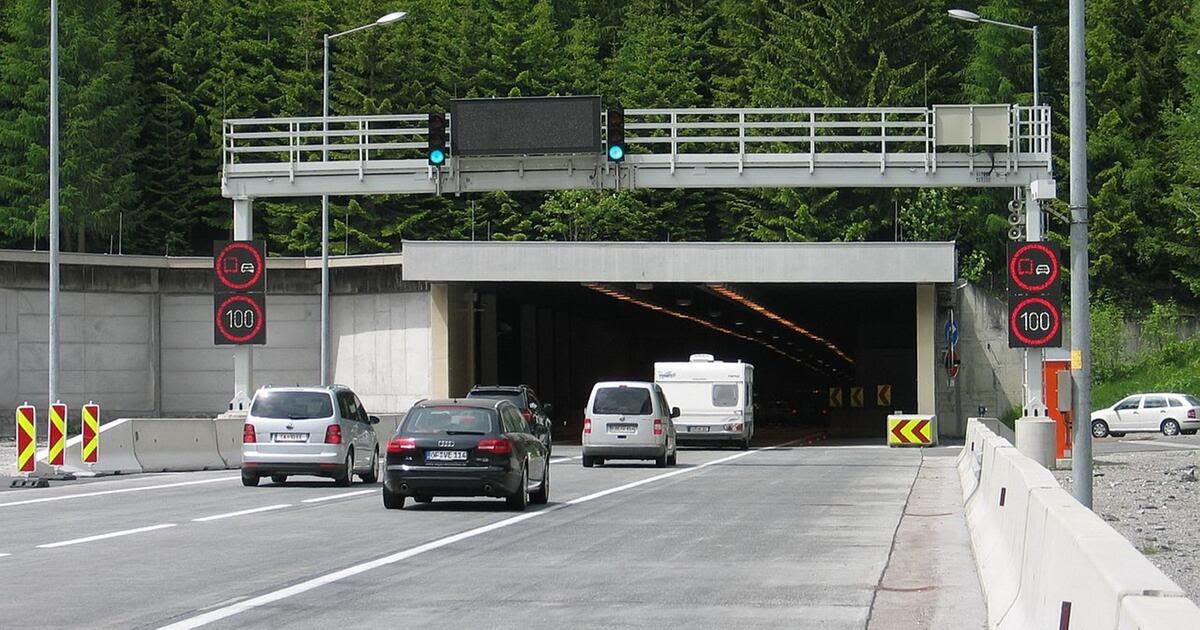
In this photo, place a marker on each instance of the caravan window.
(725, 395)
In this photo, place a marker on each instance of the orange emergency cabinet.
(1056, 379)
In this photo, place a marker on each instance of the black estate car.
(466, 448)
(533, 410)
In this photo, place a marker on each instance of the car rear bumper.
(683, 433)
(317, 459)
(464, 481)
(626, 452)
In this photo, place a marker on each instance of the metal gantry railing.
(709, 147)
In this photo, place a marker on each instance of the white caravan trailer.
(715, 399)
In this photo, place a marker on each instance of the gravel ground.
(1153, 499)
(8, 457)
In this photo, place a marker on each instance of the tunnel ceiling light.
(730, 294)
(618, 295)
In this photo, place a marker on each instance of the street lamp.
(968, 16)
(395, 16)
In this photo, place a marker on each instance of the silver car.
(628, 420)
(323, 431)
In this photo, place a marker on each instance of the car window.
(511, 397)
(1192, 400)
(362, 410)
(662, 401)
(1174, 402)
(347, 405)
(1154, 402)
(292, 405)
(446, 419)
(626, 401)
(517, 422)
(1129, 403)
(724, 394)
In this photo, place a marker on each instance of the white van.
(715, 399)
(628, 420)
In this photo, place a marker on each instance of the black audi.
(466, 448)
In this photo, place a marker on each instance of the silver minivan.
(323, 431)
(628, 420)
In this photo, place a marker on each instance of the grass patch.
(1175, 368)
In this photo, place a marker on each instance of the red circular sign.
(1037, 262)
(1034, 326)
(254, 326)
(225, 268)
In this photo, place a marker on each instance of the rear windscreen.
(449, 419)
(509, 396)
(292, 405)
(626, 401)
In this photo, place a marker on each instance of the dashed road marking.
(217, 517)
(119, 491)
(340, 496)
(125, 532)
(303, 587)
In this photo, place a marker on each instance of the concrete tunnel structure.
(442, 316)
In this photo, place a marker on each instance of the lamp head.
(964, 15)
(392, 17)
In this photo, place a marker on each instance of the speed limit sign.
(240, 318)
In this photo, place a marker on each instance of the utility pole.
(1081, 327)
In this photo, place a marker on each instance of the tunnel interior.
(803, 339)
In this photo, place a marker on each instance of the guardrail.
(833, 137)
(1045, 561)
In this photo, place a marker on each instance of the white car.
(628, 420)
(1171, 414)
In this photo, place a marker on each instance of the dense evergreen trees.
(146, 83)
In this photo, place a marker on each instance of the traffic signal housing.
(437, 139)
(615, 134)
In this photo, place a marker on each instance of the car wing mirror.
(674, 412)
(373, 419)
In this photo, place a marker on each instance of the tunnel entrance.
(804, 341)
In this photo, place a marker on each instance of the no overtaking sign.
(239, 306)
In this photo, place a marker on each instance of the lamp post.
(387, 19)
(975, 18)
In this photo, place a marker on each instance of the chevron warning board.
(57, 430)
(883, 395)
(26, 438)
(856, 396)
(911, 430)
(835, 396)
(89, 450)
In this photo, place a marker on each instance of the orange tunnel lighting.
(733, 295)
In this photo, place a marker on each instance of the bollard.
(1035, 439)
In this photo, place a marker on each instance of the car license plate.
(446, 456)
(697, 429)
(289, 437)
(622, 428)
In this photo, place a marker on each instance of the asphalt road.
(785, 537)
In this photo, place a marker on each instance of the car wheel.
(372, 474)
(599, 461)
(422, 498)
(278, 478)
(1099, 428)
(249, 478)
(660, 462)
(520, 499)
(673, 458)
(345, 476)
(588, 461)
(392, 500)
(745, 444)
(1170, 427)
(542, 494)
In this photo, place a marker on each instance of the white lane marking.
(217, 517)
(303, 587)
(340, 496)
(125, 532)
(121, 491)
(2, 555)
(560, 460)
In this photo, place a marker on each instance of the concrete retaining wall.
(1042, 555)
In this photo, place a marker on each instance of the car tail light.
(528, 415)
(399, 445)
(496, 446)
(658, 426)
(587, 426)
(333, 434)
(1192, 413)
(248, 434)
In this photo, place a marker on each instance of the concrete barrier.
(387, 428)
(1041, 555)
(229, 440)
(176, 444)
(116, 452)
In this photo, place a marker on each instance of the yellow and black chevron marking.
(856, 396)
(910, 431)
(89, 449)
(883, 395)
(26, 438)
(835, 396)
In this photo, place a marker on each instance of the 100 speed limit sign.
(1033, 322)
(239, 318)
